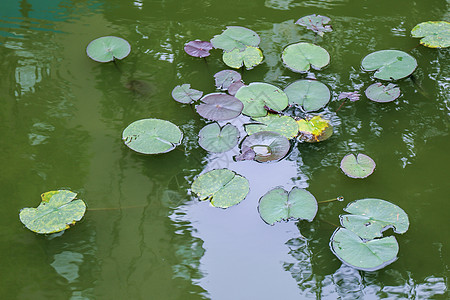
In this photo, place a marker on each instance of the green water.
(144, 236)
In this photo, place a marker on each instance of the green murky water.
(144, 236)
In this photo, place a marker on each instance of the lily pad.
(315, 23)
(300, 57)
(370, 217)
(382, 93)
(57, 212)
(277, 205)
(184, 94)
(198, 48)
(236, 37)
(283, 125)
(152, 136)
(258, 95)
(362, 254)
(108, 48)
(234, 88)
(359, 166)
(434, 34)
(266, 145)
(219, 107)
(214, 138)
(389, 64)
(312, 95)
(225, 78)
(315, 129)
(249, 57)
(223, 187)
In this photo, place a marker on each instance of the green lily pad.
(315, 23)
(389, 64)
(258, 95)
(382, 93)
(236, 37)
(300, 57)
(314, 130)
(214, 138)
(152, 136)
(219, 107)
(184, 94)
(108, 48)
(223, 187)
(265, 145)
(359, 166)
(249, 57)
(312, 95)
(370, 217)
(57, 212)
(362, 254)
(434, 34)
(277, 205)
(225, 78)
(284, 125)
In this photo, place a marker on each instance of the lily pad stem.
(342, 104)
(116, 65)
(340, 198)
(328, 222)
(115, 208)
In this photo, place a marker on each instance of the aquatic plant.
(108, 48)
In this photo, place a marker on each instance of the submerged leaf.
(300, 57)
(359, 166)
(219, 107)
(198, 48)
(314, 130)
(249, 57)
(434, 34)
(352, 96)
(312, 95)
(214, 138)
(184, 94)
(382, 93)
(389, 64)
(108, 48)
(235, 37)
(57, 212)
(315, 23)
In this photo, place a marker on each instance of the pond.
(144, 235)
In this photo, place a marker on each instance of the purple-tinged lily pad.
(234, 88)
(184, 94)
(352, 96)
(266, 145)
(315, 23)
(225, 78)
(219, 107)
(382, 93)
(247, 153)
(359, 166)
(198, 48)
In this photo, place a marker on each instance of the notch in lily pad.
(108, 48)
(316, 129)
(389, 64)
(152, 136)
(360, 166)
(433, 34)
(223, 187)
(311, 95)
(184, 94)
(382, 93)
(264, 146)
(58, 211)
(198, 48)
(300, 57)
(250, 57)
(236, 37)
(216, 139)
(316, 23)
(279, 205)
(219, 107)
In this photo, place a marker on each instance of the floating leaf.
(184, 94)
(57, 212)
(235, 37)
(214, 138)
(234, 88)
(370, 217)
(249, 57)
(283, 125)
(223, 187)
(352, 96)
(382, 93)
(152, 136)
(219, 107)
(301, 57)
(277, 205)
(361, 254)
(315, 23)
(198, 48)
(266, 145)
(314, 130)
(257, 95)
(434, 34)
(312, 95)
(389, 64)
(225, 78)
(359, 166)
(108, 48)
